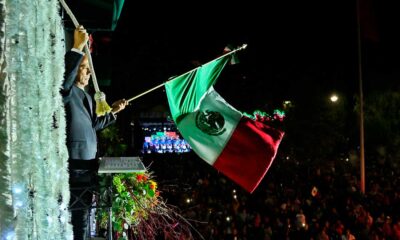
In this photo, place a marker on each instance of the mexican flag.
(241, 148)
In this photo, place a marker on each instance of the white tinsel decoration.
(34, 189)
(6, 209)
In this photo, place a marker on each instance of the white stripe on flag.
(209, 142)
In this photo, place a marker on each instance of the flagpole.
(361, 94)
(244, 46)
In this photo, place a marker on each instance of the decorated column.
(34, 191)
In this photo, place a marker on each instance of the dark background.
(297, 51)
(293, 47)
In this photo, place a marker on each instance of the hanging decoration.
(34, 190)
(276, 116)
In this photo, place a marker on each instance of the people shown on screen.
(167, 142)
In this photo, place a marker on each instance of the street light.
(334, 98)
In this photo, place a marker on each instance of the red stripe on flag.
(249, 153)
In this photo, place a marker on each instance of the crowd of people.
(296, 200)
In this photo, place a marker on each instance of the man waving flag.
(241, 148)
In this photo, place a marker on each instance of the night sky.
(298, 51)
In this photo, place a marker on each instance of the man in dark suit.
(82, 124)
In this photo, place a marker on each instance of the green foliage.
(382, 123)
(135, 197)
(111, 144)
(316, 128)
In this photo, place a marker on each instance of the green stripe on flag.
(184, 92)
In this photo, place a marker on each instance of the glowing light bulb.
(17, 190)
(19, 204)
(334, 98)
(10, 235)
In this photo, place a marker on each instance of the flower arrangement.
(138, 211)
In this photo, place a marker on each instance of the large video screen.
(163, 137)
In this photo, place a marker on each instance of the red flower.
(139, 177)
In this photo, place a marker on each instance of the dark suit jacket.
(82, 121)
